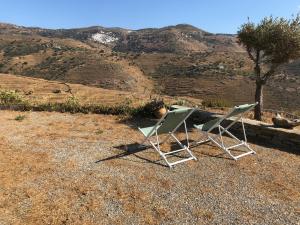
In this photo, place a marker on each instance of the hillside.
(179, 60)
(25, 52)
(41, 91)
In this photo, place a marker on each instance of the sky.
(216, 16)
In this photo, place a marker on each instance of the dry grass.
(51, 173)
(43, 91)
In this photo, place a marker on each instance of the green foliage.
(13, 100)
(180, 102)
(22, 48)
(10, 98)
(99, 131)
(216, 103)
(275, 40)
(297, 113)
(272, 42)
(72, 104)
(245, 73)
(20, 118)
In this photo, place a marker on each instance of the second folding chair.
(236, 113)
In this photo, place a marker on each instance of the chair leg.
(240, 143)
(221, 144)
(183, 146)
(164, 155)
(156, 145)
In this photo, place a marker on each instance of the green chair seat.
(148, 131)
(168, 125)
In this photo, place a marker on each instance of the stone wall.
(258, 132)
(262, 132)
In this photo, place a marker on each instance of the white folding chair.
(237, 113)
(169, 124)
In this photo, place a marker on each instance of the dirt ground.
(85, 169)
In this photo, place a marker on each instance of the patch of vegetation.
(72, 105)
(22, 48)
(20, 118)
(10, 98)
(28, 92)
(99, 131)
(297, 113)
(15, 101)
(216, 103)
(56, 91)
(151, 107)
(245, 73)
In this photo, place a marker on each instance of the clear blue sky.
(217, 16)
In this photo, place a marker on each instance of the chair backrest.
(174, 119)
(237, 110)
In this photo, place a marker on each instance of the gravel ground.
(73, 169)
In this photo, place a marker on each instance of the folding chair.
(237, 113)
(169, 124)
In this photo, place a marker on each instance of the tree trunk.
(259, 99)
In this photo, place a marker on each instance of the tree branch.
(250, 54)
(268, 74)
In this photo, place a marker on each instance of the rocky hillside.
(175, 60)
(181, 38)
(30, 52)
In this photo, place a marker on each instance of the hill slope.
(175, 60)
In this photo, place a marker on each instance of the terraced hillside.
(179, 60)
(24, 52)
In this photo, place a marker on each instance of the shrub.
(13, 100)
(10, 98)
(99, 131)
(180, 102)
(72, 102)
(216, 103)
(20, 118)
(121, 109)
(56, 91)
(151, 107)
(297, 113)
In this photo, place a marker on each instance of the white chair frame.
(156, 142)
(219, 141)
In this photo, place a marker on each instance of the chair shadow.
(131, 149)
(221, 155)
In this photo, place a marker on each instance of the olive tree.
(269, 44)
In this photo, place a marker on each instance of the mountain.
(174, 60)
